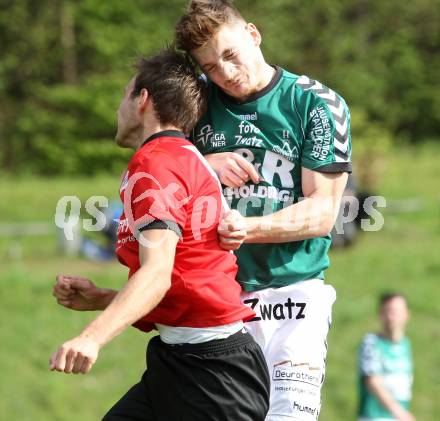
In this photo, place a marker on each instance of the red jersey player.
(201, 366)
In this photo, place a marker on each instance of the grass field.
(404, 255)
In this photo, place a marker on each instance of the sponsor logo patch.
(297, 372)
(206, 134)
(304, 408)
(277, 311)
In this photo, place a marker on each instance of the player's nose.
(228, 72)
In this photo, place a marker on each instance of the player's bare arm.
(312, 217)
(81, 294)
(143, 291)
(376, 387)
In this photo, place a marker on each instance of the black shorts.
(220, 380)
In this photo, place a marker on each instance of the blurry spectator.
(385, 365)
(100, 247)
(105, 250)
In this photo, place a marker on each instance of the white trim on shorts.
(174, 335)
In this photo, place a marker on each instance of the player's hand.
(76, 293)
(401, 414)
(406, 416)
(232, 169)
(232, 230)
(75, 356)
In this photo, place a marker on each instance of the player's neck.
(393, 335)
(267, 73)
(153, 128)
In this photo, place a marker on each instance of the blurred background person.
(385, 365)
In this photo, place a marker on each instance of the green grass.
(32, 328)
(403, 255)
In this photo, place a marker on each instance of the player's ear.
(143, 100)
(255, 34)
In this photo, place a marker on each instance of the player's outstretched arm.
(375, 385)
(143, 291)
(81, 294)
(314, 216)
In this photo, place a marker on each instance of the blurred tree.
(381, 56)
(67, 29)
(62, 72)
(63, 65)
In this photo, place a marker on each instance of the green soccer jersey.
(294, 122)
(393, 362)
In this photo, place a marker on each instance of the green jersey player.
(385, 366)
(280, 144)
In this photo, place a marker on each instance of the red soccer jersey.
(169, 185)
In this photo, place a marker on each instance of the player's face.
(232, 59)
(129, 122)
(394, 314)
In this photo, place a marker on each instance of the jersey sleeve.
(326, 120)
(156, 196)
(369, 357)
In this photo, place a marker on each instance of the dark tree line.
(64, 63)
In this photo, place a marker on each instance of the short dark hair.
(388, 296)
(201, 21)
(177, 92)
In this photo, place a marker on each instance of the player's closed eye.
(209, 69)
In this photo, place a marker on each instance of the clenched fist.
(77, 293)
(232, 230)
(75, 356)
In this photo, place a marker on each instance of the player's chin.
(121, 140)
(240, 91)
